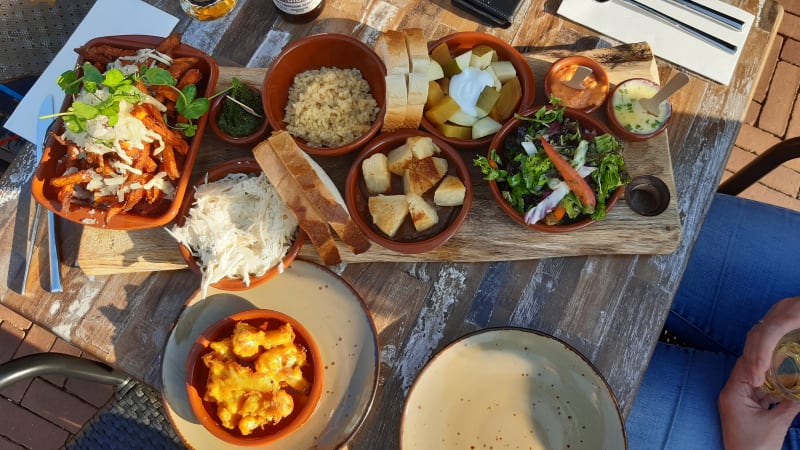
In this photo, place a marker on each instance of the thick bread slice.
(290, 191)
(396, 100)
(417, 47)
(417, 88)
(423, 214)
(450, 192)
(413, 116)
(388, 212)
(320, 190)
(391, 47)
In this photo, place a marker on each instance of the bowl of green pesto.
(237, 115)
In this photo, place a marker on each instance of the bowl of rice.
(234, 229)
(328, 92)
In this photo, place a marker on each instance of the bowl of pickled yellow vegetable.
(477, 83)
(254, 377)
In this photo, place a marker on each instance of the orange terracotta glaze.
(594, 93)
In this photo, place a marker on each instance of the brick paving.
(774, 115)
(44, 412)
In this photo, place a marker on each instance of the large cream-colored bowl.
(511, 388)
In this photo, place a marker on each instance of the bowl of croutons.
(409, 191)
(254, 377)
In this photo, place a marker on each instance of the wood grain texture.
(609, 307)
(488, 234)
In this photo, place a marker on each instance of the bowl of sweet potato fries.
(122, 150)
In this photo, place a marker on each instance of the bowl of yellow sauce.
(628, 117)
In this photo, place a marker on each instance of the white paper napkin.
(627, 24)
(106, 18)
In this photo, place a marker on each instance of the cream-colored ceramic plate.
(337, 319)
(511, 388)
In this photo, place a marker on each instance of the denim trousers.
(746, 258)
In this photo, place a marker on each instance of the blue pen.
(10, 92)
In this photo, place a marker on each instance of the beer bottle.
(299, 11)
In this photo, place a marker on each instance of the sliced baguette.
(290, 191)
(319, 189)
(417, 48)
(396, 100)
(391, 47)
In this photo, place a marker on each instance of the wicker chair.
(133, 418)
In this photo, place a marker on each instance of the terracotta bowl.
(250, 139)
(87, 215)
(240, 165)
(467, 40)
(407, 240)
(617, 99)
(587, 122)
(197, 378)
(587, 100)
(315, 52)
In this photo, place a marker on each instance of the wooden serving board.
(487, 235)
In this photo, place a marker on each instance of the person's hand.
(747, 421)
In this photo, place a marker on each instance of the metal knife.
(689, 29)
(43, 125)
(709, 13)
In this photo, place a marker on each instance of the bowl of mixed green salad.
(554, 169)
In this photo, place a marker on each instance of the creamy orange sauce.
(592, 94)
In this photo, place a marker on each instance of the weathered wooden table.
(609, 307)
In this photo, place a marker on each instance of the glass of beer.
(207, 9)
(783, 377)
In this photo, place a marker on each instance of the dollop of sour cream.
(630, 113)
(466, 87)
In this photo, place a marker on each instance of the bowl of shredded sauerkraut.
(234, 229)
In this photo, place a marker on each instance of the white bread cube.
(423, 174)
(450, 192)
(399, 159)
(376, 173)
(422, 213)
(421, 146)
(388, 212)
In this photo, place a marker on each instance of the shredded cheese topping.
(238, 227)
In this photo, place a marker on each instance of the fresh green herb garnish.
(122, 87)
(119, 87)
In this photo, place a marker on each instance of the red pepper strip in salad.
(571, 177)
